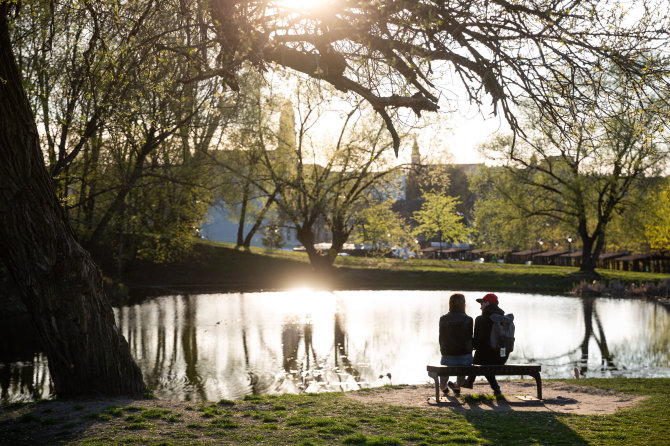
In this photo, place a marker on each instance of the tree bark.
(58, 282)
(591, 248)
(340, 236)
(319, 262)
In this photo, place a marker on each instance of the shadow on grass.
(53, 421)
(520, 428)
(509, 426)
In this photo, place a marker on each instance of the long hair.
(457, 302)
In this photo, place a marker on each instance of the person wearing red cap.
(484, 353)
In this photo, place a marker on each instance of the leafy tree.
(95, 89)
(657, 228)
(383, 229)
(245, 190)
(626, 231)
(498, 225)
(583, 175)
(105, 98)
(58, 282)
(438, 218)
(324, 183)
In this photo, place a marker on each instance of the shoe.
(445, 391)
(466, 384)
(452, 386)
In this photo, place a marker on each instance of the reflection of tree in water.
(659, 325)
(28, 380)
(590, 315)
(342, 348)
(23, 368)
(142, 335)
(257, 385)
(308, 370)
(189, 343)
(291, 335)
(290, 343)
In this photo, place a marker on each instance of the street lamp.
(540, 242)
(569, 240)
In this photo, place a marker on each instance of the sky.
(469, 129)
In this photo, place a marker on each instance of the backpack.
(502, 335)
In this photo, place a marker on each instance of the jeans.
(455, 361)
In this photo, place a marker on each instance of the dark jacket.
(484, 354)
(455, 334)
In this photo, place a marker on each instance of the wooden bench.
(435, 371)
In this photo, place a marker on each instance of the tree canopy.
(397, 53)
(581, 176)
(438, 218)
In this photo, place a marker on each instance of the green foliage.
(383, 229)
(438, 218)
(124, 137)
(272, 237)
(244, 187)
(579, 176)
(657, 224)
(500, 224)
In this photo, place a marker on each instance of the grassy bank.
(333, 418)
(218, 267)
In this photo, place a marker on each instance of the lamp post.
(569, 240)
(540, 242)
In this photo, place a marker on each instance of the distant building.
(417, 173)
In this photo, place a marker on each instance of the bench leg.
(437, 386)
(538, 380)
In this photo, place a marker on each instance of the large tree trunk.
(340, 237)
(588, 264)
(319, 262)
(58, 282)
(592, 245)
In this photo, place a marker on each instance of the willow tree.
(405, 54)
(59, 283)
(582, 176)
(322, 179)
(390, 53)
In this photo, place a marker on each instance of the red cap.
(489, 298)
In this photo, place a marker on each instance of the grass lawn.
(219, 267)
(332, 418)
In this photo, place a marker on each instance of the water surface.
(213, 346)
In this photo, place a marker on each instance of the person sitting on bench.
(484, 353)
(455, 341)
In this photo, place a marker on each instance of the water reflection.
(23, 368)
(207, 347)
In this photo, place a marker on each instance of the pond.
(213, 346)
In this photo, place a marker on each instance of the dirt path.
(519, 396)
